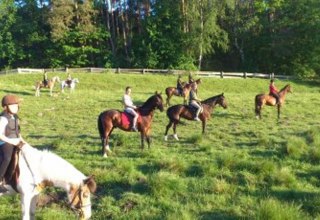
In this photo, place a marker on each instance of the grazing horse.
(50, 85)
(170, 91)
(265, 99)
(39, 169)
(69, 84)
(110, 119)
(176, 112)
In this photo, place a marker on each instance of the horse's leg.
(142, 134)
(26, 206)
(33, 207)
(105, 144)
(167, 129)
(148, 138)
(175, 131)
(168, 100)
(278, 106)
(203, 126)
(51, 90)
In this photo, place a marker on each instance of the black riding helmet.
(10, 100)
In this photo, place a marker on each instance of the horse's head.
(198, 81)
(159, 101)
(222, 101)
(56, 79)
(75, 80)
(80, 197)
(289, 89)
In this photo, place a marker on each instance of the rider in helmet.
(179, 85)
(273, 91)
(69, 79)
(45, 79)
(9, 133)
(194, 101)
(130, 107)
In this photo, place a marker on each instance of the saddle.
(13, 171)
(127, 119)
(193, 109)
(68, 82)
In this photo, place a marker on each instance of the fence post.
(221, 74)
(118, 70)
(67, 70)
(143, 71)
(245, 75)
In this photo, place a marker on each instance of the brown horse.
(265, 99)
(50, 85)
(170, 91)
(176, 112)
(110, 119)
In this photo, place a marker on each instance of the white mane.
(50, 166)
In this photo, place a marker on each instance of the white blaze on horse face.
(14, 108)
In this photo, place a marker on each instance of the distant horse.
(265, 99)
(69, 84)
(170, 91)
(110, 119)
(39, 169)
(50, 85)
(176, 112)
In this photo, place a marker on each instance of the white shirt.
(3, 123)
(128, 101)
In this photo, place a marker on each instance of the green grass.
(241, 168)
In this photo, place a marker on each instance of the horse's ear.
(90, 183)
(156, 93)
(222, 94)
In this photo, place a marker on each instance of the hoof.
(166, 138)
(105, 155)
(175, 136)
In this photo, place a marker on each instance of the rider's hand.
(15, 141)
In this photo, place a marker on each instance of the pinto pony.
(110, 119)
(39, 169)
(265, 99)
(170, 91)
(71, 84)
(176, 112)
(50, 85)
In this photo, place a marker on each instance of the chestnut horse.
(170, 91)
(110, 119)
(176, 112)
(50, 85)
(265, 99)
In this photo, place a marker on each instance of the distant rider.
(273, 91)
(179, 85)
(130, 107)
(45, 79)
(195, 101)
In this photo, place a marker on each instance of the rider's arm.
(3, 124)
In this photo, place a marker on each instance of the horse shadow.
(17, 92)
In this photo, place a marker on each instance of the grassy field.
(242, 168)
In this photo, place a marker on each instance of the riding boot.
(3, 189)
(134, 124)
(197, 115)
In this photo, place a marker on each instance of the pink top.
(273, 89)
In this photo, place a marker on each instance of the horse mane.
(208, 101)
(285, 87)
(53, 167)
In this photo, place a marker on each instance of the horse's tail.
(101, 127)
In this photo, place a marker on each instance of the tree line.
(229, 35)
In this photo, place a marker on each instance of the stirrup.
(196, 119)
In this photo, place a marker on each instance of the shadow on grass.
(18, 92)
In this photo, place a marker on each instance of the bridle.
(78, 207)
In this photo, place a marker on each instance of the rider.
(273, 91)
(45, 79)
(194, 101)
(69, 79)
(9, 133)
(191, 80)
(179, 85)
(130, 108)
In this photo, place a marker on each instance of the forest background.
(224, 35)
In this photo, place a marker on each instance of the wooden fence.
(148, 71)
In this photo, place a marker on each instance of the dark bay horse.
(176, 112)
(266, 99)
(110, 119)
(170, 91)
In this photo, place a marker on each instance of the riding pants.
(132, 112)
(276, 96)
(197, 106)
(6, 151)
